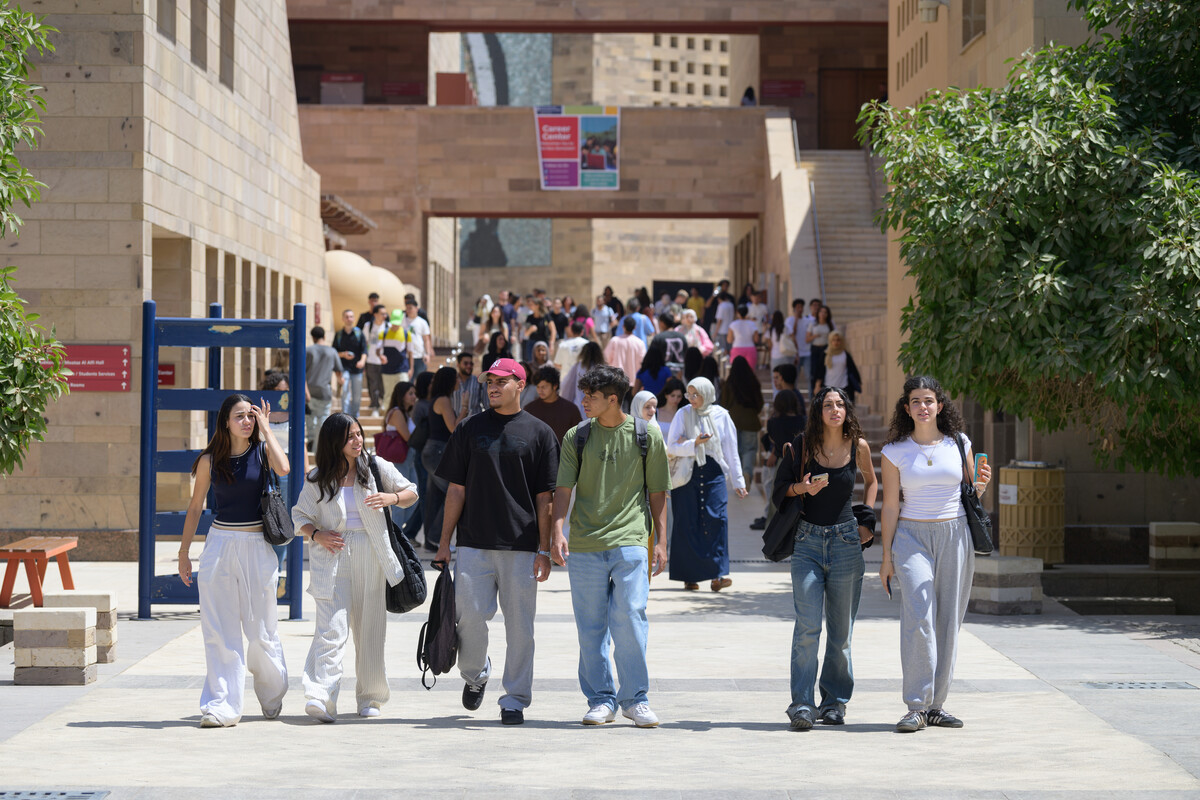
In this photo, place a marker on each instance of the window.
(724, 47)
(658, 102)
(708, 44)
(200, 33)
(691, 88)
(658, 86)
(724, 91)
(657, 65)
(674, 66)
(724, 71)
(707, 90)
(228, 9)
(691, 43)
(674, 88)
(166, 18)
(708, 69)
(691, 69)
(658, 40)
(974, 19)
(674, 41)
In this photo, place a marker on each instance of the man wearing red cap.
(507, 461)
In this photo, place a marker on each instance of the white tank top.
(353, 520)
(931, 491)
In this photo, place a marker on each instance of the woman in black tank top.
(827, 562)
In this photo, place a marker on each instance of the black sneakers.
(911, 722)
(938, 718)
(833, 716)
(511, 716)
(759, 524)
(473, 696)
(802, 720)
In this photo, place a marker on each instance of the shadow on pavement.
(145, 724)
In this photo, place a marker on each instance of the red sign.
(783, 89)
(558, 137)
(166, 374)
(404, 89)
(98, 367)
(342, 77)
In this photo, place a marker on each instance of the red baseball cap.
(505, 367)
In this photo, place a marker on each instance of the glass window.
(691, 69)
(724, 47)
(674, 41)
(691, 43)
(691, 88)
(708, 44)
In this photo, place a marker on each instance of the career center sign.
(578, 147)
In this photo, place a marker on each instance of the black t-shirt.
(354, 342)
(673, 345)
(504, 462)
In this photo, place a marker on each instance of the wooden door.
(841, 95)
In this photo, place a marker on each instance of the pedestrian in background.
(742, 396)
(320, 363)
(351, 345)
(443, 419)
(375, 330)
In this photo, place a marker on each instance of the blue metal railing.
(212, 333)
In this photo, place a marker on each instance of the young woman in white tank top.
(926, 545)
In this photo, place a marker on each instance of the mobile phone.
(887, 584)
(824, 476)
(980, 458)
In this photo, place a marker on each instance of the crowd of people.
(606, 436)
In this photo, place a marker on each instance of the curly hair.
(949, 420)
(814, 429)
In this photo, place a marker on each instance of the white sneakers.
(210, 721)
(368, 711)
(316, 709)
(599, 715)
(641, 715)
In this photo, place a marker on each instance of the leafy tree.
(1053, 230)
(26, 387)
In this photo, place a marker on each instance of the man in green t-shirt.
(610, 529)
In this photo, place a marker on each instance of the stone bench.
(1175, 545)
(1006, 585)
(105, 604)
(54, 646)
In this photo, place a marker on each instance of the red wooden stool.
(36, 552)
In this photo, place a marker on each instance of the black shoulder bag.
(277, 522)
(977, 517)
(410, 592)
(779, 539)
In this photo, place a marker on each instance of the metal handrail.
(812, 198)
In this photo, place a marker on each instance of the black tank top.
(438, 431)
(832, 506)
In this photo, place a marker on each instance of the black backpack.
(437, 644)
(641, 432)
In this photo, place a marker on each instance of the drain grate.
(1138, 685)
(73, 794)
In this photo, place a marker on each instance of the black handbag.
(779, 538)
(277, 522)
(411, 591)
(977, 517)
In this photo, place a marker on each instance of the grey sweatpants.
(935, 562)
(481, 577)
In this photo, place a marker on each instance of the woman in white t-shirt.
(743, 337)
(927, 545)
(783, 343)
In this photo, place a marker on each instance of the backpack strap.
(641, 432)
(582, 431)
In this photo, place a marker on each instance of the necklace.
(928, 456)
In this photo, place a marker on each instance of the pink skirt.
(748, 353)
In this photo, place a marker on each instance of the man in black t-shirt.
(351, 346)
(672, 343)
(508, 462)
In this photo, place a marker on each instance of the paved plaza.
(1056, 706)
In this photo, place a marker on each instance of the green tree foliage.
(26, 386)
(1052, 227)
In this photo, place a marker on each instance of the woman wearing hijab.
(703, 431)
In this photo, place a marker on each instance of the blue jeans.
(609, 591)
(418, 366)
(352, 393)
(827, 574)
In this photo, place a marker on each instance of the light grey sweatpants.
(480, 578)
(935, 562)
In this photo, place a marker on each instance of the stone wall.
(163, 182)
(634, 253)
(866, 341)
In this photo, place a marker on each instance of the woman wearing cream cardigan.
(341, 511)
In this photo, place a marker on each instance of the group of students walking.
(511, 488)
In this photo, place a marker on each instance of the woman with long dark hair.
(827, 562)
(742, 397)
(351, 563)
(703, 431)
(399, 418)
(492, 324)
(670, 400)
(927, 545)
(420, 417)
(443, 419)
(590, 355)
(654, 372)
(818, 339)
(238, 569)
(498, 345)
(783, 344)
(693, 360)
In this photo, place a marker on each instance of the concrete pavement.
(1058, 706)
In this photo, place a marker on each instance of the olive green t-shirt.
(611, 509)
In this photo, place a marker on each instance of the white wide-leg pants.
(236, 581)
(356, 605)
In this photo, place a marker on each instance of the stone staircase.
(853, 251)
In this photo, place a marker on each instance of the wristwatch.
(545, 553)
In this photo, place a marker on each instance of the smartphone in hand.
(824, 476)
(887, 585)
(980, 458)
